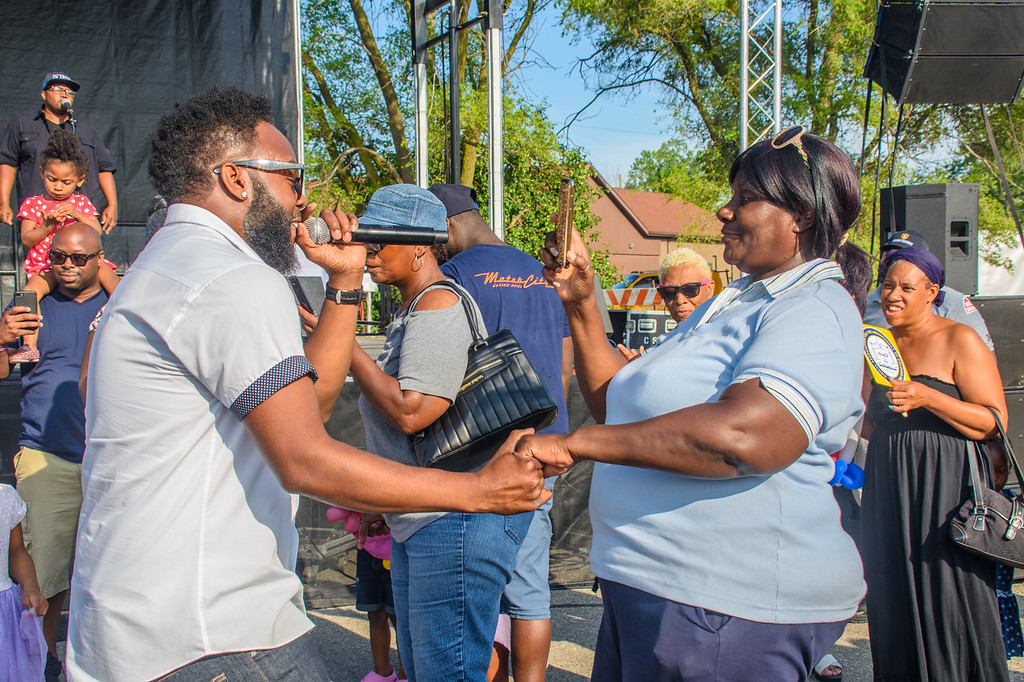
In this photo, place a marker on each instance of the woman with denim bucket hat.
(717, 540)
(447, 570)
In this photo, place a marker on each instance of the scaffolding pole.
(760, 70)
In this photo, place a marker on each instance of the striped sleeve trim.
(793, 396)
(272, 381)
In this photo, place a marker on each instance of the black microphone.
(65, 106)
(320, 233)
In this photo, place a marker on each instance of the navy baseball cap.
(456, 198)
(60, 77)
(908, 239)
(404, 206)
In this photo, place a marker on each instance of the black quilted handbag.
(988, 524)
(501, 392)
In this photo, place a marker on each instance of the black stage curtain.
(134, 59)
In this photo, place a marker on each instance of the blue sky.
(613, 131)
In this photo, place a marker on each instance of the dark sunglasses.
(791, 136)
(373, 248)
(267, 166)
(689, 290)
(79, 259)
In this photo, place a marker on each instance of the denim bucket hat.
(405, 205)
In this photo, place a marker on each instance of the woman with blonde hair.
(685, 282)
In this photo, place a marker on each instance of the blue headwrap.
(925, 261)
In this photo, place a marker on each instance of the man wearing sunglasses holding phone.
(48, 467)
(26, 136)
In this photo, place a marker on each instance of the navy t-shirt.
(508, 287)
(52, 412)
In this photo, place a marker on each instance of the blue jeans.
(296, 661)
(447, 581)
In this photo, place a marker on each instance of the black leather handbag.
(989, 524)
(501, 392)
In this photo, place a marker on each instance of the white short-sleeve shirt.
(186, 540)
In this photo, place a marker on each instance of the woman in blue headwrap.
(932, 611)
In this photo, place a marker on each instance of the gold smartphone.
(563, 226)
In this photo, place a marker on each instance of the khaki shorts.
(52, 490)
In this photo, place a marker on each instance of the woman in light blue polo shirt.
(717, 539)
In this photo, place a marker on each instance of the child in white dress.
(22, 605)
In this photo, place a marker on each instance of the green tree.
(358, 97)
(673, 169)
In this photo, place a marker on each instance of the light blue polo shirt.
(764, 548)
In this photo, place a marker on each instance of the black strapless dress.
(932, 607)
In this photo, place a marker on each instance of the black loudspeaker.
(1003, 315)
(947, 216)
(949, 52)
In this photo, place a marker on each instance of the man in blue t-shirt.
(511, 293)
(48, 467)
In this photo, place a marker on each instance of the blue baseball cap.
(907, 239)
(456, 198)
(60, 77)
(404, 205)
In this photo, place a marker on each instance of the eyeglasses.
(61, 91)
(268, 166)
(373, 248)
(79, 259)
(689, 290)
(791, 136)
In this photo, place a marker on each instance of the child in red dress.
(64, 167)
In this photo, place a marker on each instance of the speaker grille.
(949, 52)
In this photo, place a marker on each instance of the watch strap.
(344, 296)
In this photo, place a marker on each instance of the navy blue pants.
(644, 637)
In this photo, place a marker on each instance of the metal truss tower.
(760, 70)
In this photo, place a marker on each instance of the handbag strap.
(972, 465)
(1010, 457)
(474, 327)
(976, 488)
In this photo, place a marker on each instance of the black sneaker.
(53, 669)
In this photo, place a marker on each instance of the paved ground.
(341, 637)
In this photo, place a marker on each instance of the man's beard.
(267, 228)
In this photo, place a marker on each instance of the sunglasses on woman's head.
(791, 136)
(689, 290)
(79, 259)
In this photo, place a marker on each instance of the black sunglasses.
(373, 248)
(791, 136)
(269, 166)
(689, 290)
(79, 259)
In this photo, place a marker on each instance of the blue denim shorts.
(373, 584)
(528, 596)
